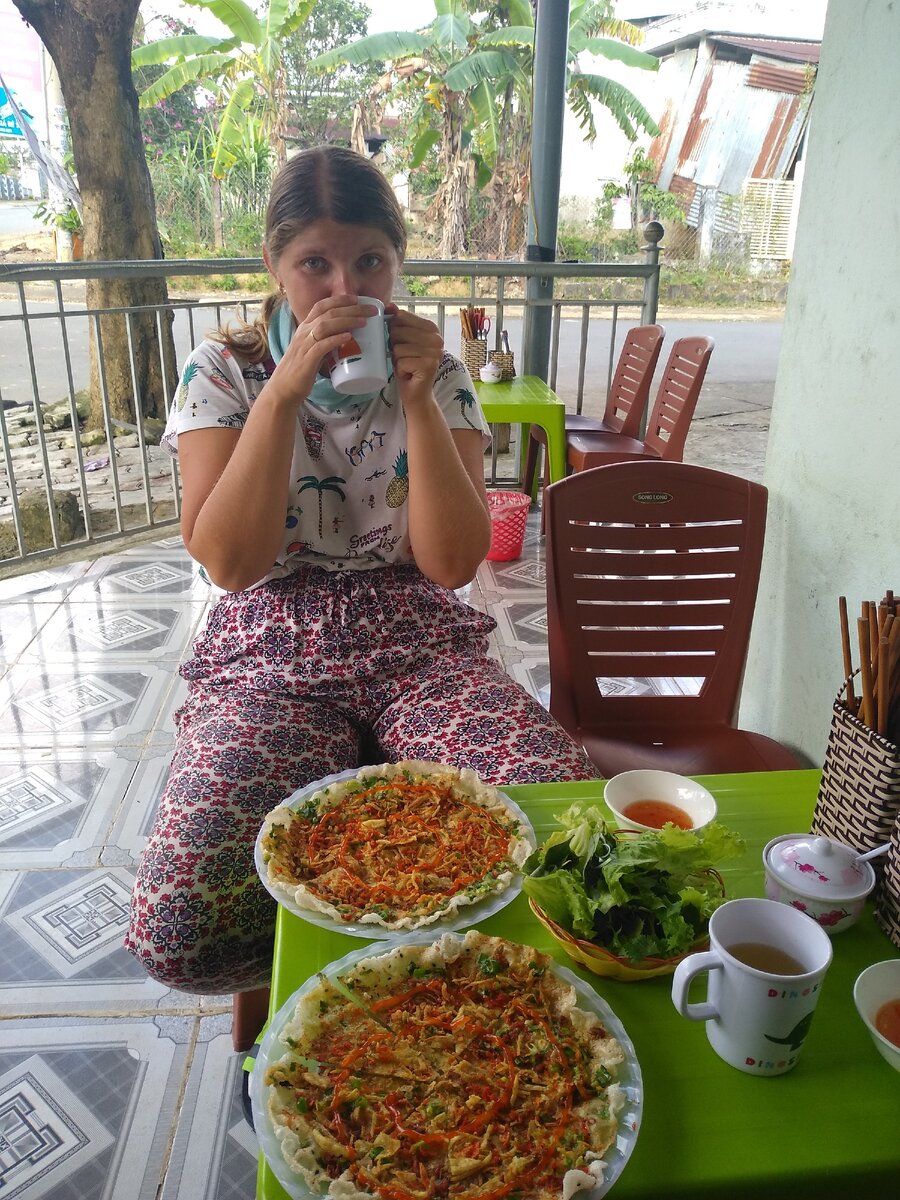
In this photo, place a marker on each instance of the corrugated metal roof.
(805, 52)
(777, 78)
(717, 131)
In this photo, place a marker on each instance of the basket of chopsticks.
(859, 796)
(474, 326)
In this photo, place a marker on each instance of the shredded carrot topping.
(400, 846)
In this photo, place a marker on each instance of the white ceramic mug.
(360, 364)
(757, 1016)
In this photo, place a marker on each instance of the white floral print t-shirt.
(349, 478)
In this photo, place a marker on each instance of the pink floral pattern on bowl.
(826, 919)
(806, 868)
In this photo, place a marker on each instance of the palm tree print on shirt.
(465, 399)
(329, 484)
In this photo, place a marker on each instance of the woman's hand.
(416, 350)
(327, 325)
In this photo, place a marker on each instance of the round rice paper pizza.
(401, 845)
(459, 1070)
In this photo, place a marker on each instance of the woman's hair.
(324, 183)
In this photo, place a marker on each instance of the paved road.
(17, 219)
(729, 429)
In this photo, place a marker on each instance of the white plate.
(272, 1049)
(461, 918)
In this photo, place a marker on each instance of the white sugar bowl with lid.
(825, 879)
(490, 373)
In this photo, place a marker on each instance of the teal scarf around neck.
(282, 328)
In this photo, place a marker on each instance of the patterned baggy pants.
(297, 679)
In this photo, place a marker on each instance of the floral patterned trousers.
(297, 679)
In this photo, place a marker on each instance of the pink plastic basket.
(509, 512)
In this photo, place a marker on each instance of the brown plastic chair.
(626, 399)
(668, 424)
(652, 573)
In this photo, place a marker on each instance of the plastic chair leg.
(248, 1015)
(531, 462)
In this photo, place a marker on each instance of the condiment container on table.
(821, 877)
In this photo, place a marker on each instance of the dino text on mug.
(766, 964)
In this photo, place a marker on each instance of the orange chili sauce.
(657, 813)
(887, 1021)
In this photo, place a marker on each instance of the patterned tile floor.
(112, 1086)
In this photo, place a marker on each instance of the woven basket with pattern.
(887, 894)
(859, 796)
(505, 362)
(473, 352)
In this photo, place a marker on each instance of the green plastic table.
(828, 1128)
(528, 400)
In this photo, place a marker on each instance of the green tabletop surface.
(828, 1128)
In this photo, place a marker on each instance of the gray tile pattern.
(122, 1089)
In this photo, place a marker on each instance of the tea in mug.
(770, 959)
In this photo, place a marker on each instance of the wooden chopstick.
(883, 686)
(873, 636)
(848, 657)
(865, 669)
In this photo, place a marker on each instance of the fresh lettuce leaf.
(651, 894)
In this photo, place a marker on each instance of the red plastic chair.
(652, 573)
(626, 399)
(668, 424)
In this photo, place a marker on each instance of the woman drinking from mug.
(337, 527)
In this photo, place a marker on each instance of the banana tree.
(243, 66)
(498, 76)
(469, 76)
(417, 64)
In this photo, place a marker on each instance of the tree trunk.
(279, 133)
(509, 186)
(90, 44)
(217, 221)
(451, 203)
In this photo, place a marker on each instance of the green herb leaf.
(652, 894)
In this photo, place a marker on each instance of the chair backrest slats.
(676, 399)
(652, 572)
(630, 386)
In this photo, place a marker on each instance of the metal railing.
(46, 331)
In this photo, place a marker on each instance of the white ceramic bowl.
(490, 374)
(875, 986)
(630, 787)
(833, 902)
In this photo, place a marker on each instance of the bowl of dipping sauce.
(649, 799)
(876, 994)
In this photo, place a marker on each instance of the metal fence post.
(653, 232)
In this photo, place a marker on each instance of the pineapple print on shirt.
(398, 488)
(190, 372)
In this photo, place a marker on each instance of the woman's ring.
(313, 333)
